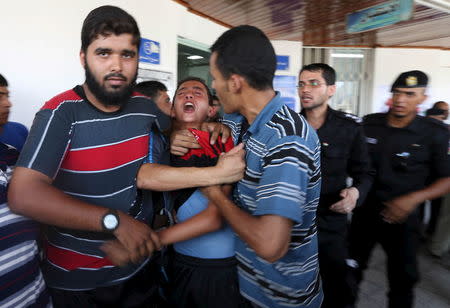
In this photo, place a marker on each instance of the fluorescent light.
(441, 5)
(194, 57)
(347, 55)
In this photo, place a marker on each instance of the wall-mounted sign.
(167, 78)
(149, 52)
(381, 15)
(282, 63)
(286, 85)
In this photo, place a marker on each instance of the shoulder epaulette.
(349, 116)
(374, 117)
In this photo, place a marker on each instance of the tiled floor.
(433, 291)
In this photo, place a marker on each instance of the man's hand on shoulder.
(181, 141)
(231, 165)
(216, 129)
(348, 202)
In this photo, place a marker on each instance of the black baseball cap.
(411, 79)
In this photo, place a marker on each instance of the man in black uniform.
(343, 155)
(410, 155)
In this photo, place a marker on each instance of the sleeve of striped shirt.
(287, 170)
(47, 141)
(158, 151)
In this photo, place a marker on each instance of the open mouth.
(189, 107)
(306, 98)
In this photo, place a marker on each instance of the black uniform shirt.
(406, 159)
(343, 154)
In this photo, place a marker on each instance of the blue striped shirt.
(282, 178)
(21, 280)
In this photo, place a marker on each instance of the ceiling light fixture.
(441, 5)
(347, 55)
(194, 57)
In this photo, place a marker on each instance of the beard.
(398, 116)
(109, 98)
(314, 106)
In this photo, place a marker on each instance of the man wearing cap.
(410, 155)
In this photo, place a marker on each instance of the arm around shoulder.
(166, 178)
(229, 169)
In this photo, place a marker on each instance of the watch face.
(110, 221)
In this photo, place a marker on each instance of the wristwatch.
(110, 221)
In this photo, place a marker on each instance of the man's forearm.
(207, 221)
(229, 169)
(31, 194)
(363, 185)
(437, 189)
(165, 178)
(268, 235)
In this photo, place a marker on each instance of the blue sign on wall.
(149, 51)
(381, 15)
(286, 85)
(283, 63)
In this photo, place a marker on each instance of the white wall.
(390, 62)
(40, 44)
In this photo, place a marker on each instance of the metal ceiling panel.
(323, 22)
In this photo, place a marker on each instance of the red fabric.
(71, 260)
(136, 93)
(106, 157)
(208, 149)
(54, 103)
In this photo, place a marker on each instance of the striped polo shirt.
(21, 281)
(282, 178)
(93, 156)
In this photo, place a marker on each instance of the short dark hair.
(328, 73)
(246, 51)
(150, 88)
(3, 81)
(434, 112)
(106, 20)
(435, 105)
(192, 78)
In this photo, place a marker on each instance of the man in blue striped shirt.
(274, 207)
(21, 280)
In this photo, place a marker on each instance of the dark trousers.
(205, 283)
(333, 252)
(399, 242)
(141, 290)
